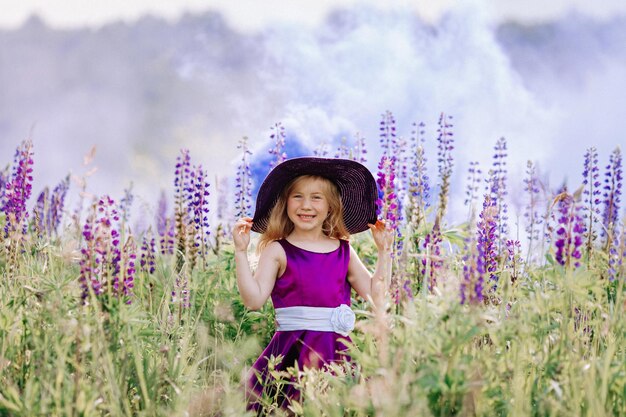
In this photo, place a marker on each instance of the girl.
(306, 210)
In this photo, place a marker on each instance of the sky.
(253, 15)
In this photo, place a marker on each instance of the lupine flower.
(182, 196)
(180, 294)
(18, 190)
(343, 151)
(432, 262)
(56, 206)
(513, 259)
(591, 195)
(147, 261)
(278, 138)
(4, 179)
(106, 269)
(387, 132)
(445, 145)
(198, 210)
(531, 214)
(243, 182)
(487, 238)
(39, 212)
(126, 202)
(418, 187)
(497, 188)
(471, 288)
(612, 196)
(569, 234)
(387, 203)
(473, 182)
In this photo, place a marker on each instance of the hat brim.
(355, 182)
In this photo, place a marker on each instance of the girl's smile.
(307, 205)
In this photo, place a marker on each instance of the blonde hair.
(280, 226)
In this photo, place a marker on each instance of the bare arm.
(255, 289)
(373, 286)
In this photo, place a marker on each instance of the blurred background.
(140, 80)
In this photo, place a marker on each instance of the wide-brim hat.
(355, 182)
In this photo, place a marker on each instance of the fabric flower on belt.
(342, 320)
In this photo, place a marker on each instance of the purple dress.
(310, 279)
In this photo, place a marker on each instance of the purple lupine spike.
(487, 238)
(182, 196)
(570, 231)
(612, 198)
(180, 294)
(591, 196)
(199, 209)
(147, 260)
(418, 186)
(473, 182)
(445, 162)
(278, 139)
(387, 132)
(360, 151)
(126, 202)
(432, 262)
(56, 206)
(471, 288)
(531, 210)
(161, 214)
(39, 213)
(513, 259)
(18, 190)
(387, 203)
(4, 179)
(498, 189)
(243, 182)
(106, 268)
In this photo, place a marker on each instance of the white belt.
(324, 319)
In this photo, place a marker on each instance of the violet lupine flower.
(243, 182)
(612, 196)
(473, 181)
(471, 288)
(180, 294)
(445, 145)
(147, 261)
(198, 209)
(418, 187)
(126, 202)
(498, 191)
(513, 259)
(570, 231)
(591, 193)
(278, 138)
(432, 262)
(487, 238)
(39, 213)
(165, 227)
(106, 269)
(4, 179)
(531, 214)
(182, 196)
(617, 254)
(387, 132)
(387, 203)
(56, 206)
(18, 190)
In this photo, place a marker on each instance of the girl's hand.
(383, 236)
(241, 233)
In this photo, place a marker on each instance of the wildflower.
(18, 190)
(198, 209)
(56, 206)
(445, 145)
(360, 151)
(473, 181)
(432, 262)
(418, 188)
(278, 138)
(321, 150)
(471, 288)
(387, 132)
(243, 182)
(487, 238)
(533, 218)
(387, 203)
(570, 231)
(513, 259)
(126, 202)
(343, 151)
(165, 227)
(591, 193)
(147, 261)
(612, 195)
(497, 188)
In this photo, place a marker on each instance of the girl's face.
(307, 204)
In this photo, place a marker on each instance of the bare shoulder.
(274, 251)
